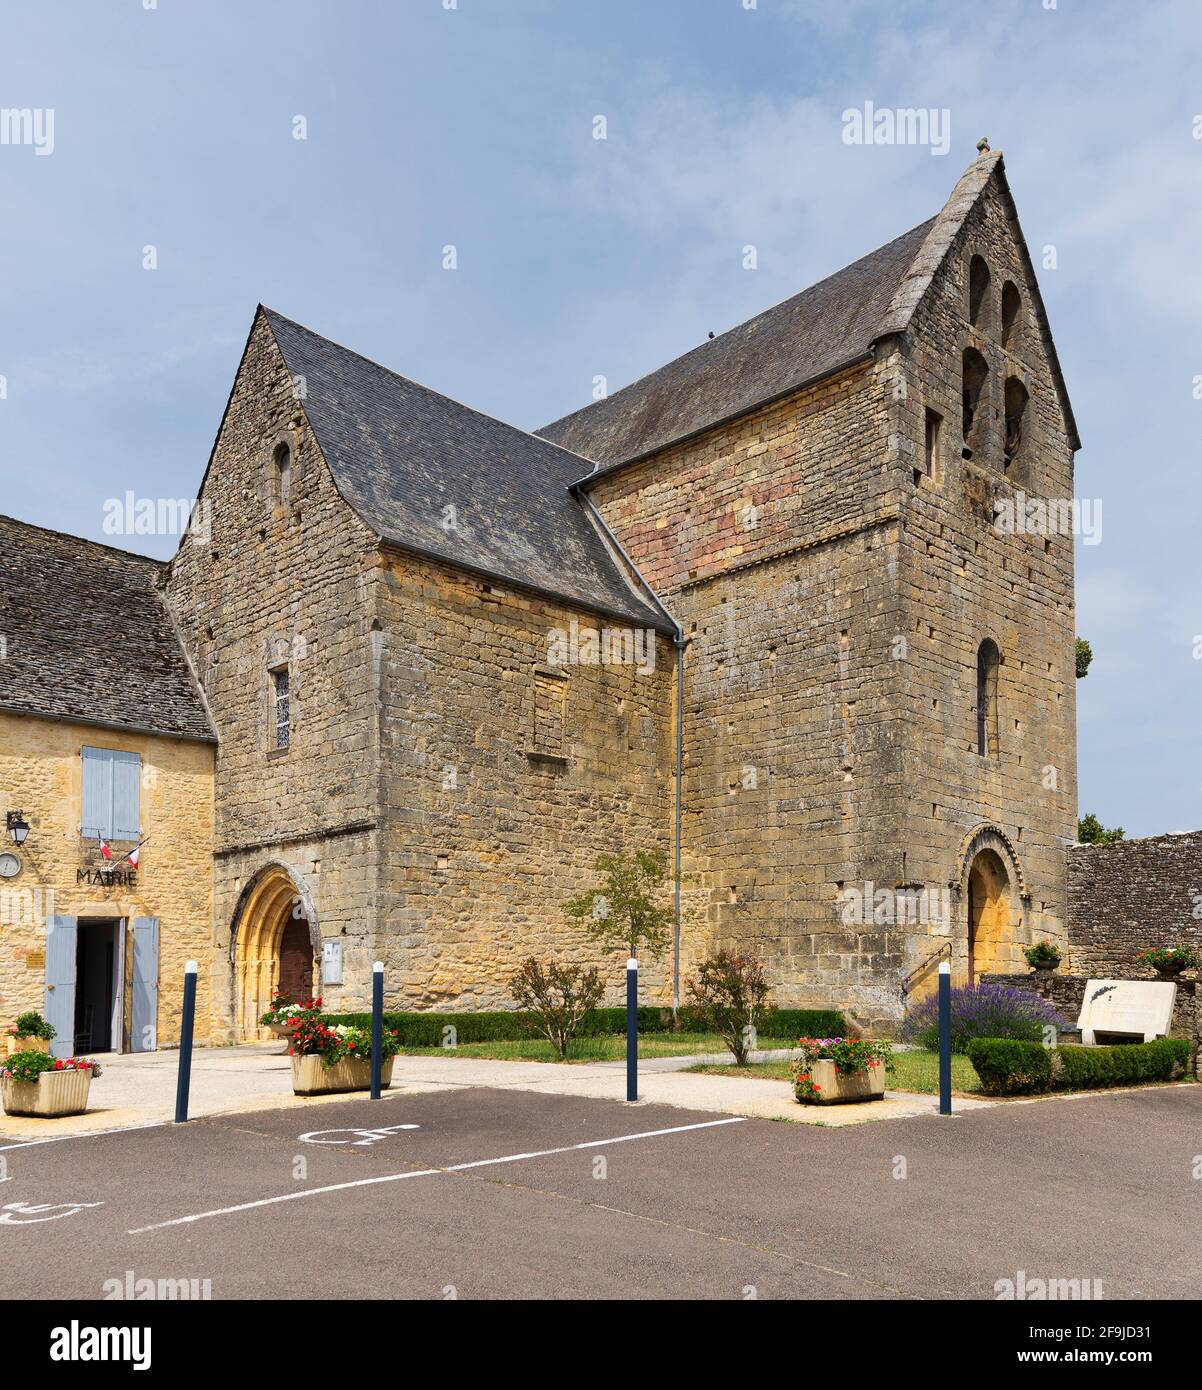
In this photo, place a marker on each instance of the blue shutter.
(97, 792)
(59, 1007)
(127, 792)
(144, 992)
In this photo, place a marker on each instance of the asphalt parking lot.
(501, 1194)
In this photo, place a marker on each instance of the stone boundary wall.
(1129, 896)
(1065, 994)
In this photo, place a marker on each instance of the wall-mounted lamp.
(17, 826)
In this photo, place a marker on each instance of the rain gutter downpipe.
(679, 641)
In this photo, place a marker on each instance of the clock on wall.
(10, 865)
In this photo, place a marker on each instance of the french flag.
(104, 847)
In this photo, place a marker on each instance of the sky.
(319, 157)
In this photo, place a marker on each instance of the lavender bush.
(982, 1011)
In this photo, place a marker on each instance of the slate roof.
(402, 454)
(805, 337)
(87, 636)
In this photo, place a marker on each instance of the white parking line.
(84, 1134)
(429, 1172)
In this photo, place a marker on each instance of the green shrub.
(33, 1025)
(512, 1025)
(1009, 1066)
(559, 995)
(1081, 1068)
(729, 996)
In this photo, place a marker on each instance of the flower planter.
(837, 1088)
(1171, 971)
(311, 1076)
(16, 1045)
(54, 1093)
(1045, 967)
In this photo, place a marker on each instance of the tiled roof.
(433, 476)
(86, 636)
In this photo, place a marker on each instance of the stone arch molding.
(989, 836)
(265, 906)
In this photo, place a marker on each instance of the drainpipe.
(679, 641)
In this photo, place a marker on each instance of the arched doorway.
(273, 948)
(990, 934)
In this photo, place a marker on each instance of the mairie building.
(413, 668)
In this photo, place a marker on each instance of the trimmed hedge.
(512, 1025)
(1008, 1067)
(1124, 1065)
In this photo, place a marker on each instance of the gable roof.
(88, 637)
(403, 455)
(827, 327)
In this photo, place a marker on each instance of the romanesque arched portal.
(274, 935)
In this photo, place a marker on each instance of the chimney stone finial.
(983, 145)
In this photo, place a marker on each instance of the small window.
(931, 449)
(975, 372)
(988, 661)
(550, 701)
(978, 291)
(1016, 410)
(281, 714)
(112, 792)
(283, 474)
(1011, 303)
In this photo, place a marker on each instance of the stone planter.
(837, 1088)
(54, 1093)
(311, 1076)
(16, 1045)
(1170, 972)
(1045, 967)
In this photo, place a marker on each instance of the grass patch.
(912, 1071)
(608, 1048)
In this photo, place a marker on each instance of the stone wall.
(503, 775)
(1131, 896)
(41, 772)
(277, 581)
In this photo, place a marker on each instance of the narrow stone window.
(283, 474)
(550, 702)
(988, 661)
(975, 373)
(1011, 303)
(931, 449)
(281, 708)
(978, 291)
(1016, 410)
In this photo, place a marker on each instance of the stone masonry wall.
(41, 771)
(276, 582)
(503, 775)
(1129, 897)
(963, 581)
(773, 542)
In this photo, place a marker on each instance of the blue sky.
(472, 126)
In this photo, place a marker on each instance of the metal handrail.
(944, 949)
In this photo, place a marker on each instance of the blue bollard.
(187, 1024)
(945, 1038)
(377, 1027)
(632, 1029)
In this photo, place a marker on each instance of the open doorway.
(99, 977)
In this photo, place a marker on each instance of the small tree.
(560, 996)
(622, 914)
(1091, 831)
(729, 994)
(1084, 656)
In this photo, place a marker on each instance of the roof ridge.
(422, 386)
(83, 540)
(743, 323)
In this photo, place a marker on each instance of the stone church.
(753, 611)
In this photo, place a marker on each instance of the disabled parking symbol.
(356, 1138)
